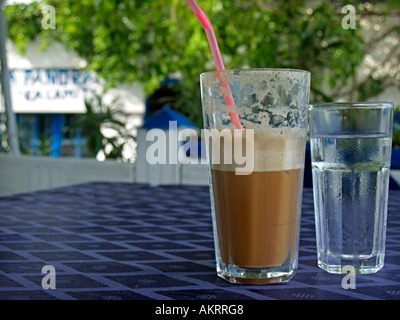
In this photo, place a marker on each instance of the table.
(125, 241)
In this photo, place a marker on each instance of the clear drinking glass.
(256, 174)
(351, 145)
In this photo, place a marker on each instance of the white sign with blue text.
(52, 90)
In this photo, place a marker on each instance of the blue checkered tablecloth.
(125, 241)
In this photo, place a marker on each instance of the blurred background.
(85, 75)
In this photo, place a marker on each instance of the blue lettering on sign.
(61, 77)
(69, 93)
(32, 76)
(51, 78)
(34, 95)
(11, 75)
(40, 85)
(76, 75)
(37, 95)
(27, 75)
(89, 78)
(36, 77)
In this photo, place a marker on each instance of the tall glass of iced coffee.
(256, 171)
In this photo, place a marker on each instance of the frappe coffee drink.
(256, 212)
(265, 212)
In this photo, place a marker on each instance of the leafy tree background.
(146, 41)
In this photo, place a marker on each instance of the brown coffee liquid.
(257, 216)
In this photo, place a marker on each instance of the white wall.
(28, 173)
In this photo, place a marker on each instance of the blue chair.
(161, 120)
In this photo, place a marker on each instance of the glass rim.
(258, 70)
(351, 104)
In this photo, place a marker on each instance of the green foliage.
(100, 116)
(43, 148)
(24, 23)
(145, 41)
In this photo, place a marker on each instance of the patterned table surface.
(133, 241)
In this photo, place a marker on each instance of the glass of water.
(351, 144)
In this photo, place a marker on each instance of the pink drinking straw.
(230, 103)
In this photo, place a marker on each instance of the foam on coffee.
(275, 149)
